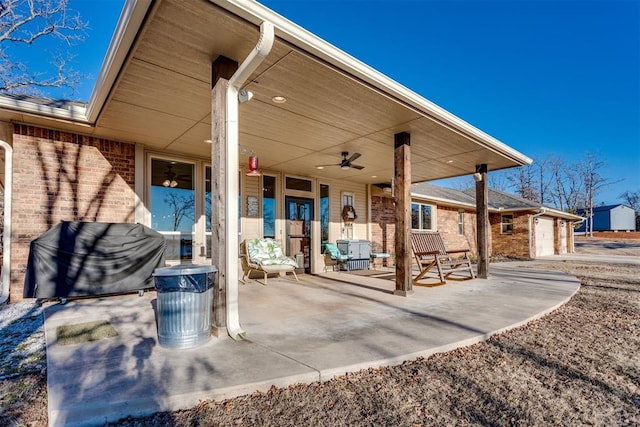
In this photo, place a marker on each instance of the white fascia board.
(441, 201)
(256, 13)
(129, 23)
(545, 211)
(73, 113)
(562, 214)
(131, 18)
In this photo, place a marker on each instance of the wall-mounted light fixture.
(244, 95)
(477, 177)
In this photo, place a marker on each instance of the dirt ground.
(610, 246)
(578, 365)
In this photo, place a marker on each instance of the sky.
(546, 77)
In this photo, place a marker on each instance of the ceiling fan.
(346, 162)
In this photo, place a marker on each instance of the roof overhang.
(155, 89)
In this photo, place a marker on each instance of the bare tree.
(565, 187)
(523, 182)
(25, 22)
(498, 181)
(589, 170)
(181, 206)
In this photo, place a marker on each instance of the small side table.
(377, 255)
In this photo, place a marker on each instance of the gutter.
(542, 212)
(6, 236)
(239, 78)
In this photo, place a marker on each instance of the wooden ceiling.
(162, 99)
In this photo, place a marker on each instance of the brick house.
(190, 96)
(519, 228)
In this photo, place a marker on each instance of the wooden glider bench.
(265, 255)
(429, 251)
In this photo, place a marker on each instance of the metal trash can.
(184, 304)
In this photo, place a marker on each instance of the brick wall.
(514, 245)
(447, 222)
(383, 227)
(63, 176)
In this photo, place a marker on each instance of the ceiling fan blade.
(357, 167)
(353, 157)
(332, 164)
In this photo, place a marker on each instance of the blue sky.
(546, 77)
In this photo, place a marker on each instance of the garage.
(544, 236)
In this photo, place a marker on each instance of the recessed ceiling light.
(374, 176)
(279, 99)
(449, 161)
(319, 167)
(208, 141)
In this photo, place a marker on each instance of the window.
(348, 215)
(422, 216)
(269, 206)
(347, 199)
(324, 212)
(298, 184)
(506, 222)
(172, 206)
(461, 222)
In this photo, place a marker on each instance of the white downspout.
(6, 236)
(242, 74)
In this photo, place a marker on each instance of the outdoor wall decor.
(349, 214)
(252, 206)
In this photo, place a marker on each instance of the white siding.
(623, 218)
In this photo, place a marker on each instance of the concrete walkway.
(305, 331)
(603, 259)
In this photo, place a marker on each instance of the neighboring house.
(166, 141)
(610, 218)
(519, 228)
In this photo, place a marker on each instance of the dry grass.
(577, 366)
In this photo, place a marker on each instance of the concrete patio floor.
(305, 331)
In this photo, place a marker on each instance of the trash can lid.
(184, 269)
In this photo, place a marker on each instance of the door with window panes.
(180, 208)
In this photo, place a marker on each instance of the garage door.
(544, 236)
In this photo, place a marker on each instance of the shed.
(611, 218)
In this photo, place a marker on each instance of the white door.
(544, 236)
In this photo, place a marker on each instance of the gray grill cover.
(93, 258)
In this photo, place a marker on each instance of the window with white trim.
(423, 216)
(348, 215)
(506, 224)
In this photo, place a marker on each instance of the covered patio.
(297, 332)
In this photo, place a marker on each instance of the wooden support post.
(482, 220)
(222, 70)
(402, 190)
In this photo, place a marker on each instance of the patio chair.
(429, 251)
(265, 255)
(333, 257)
